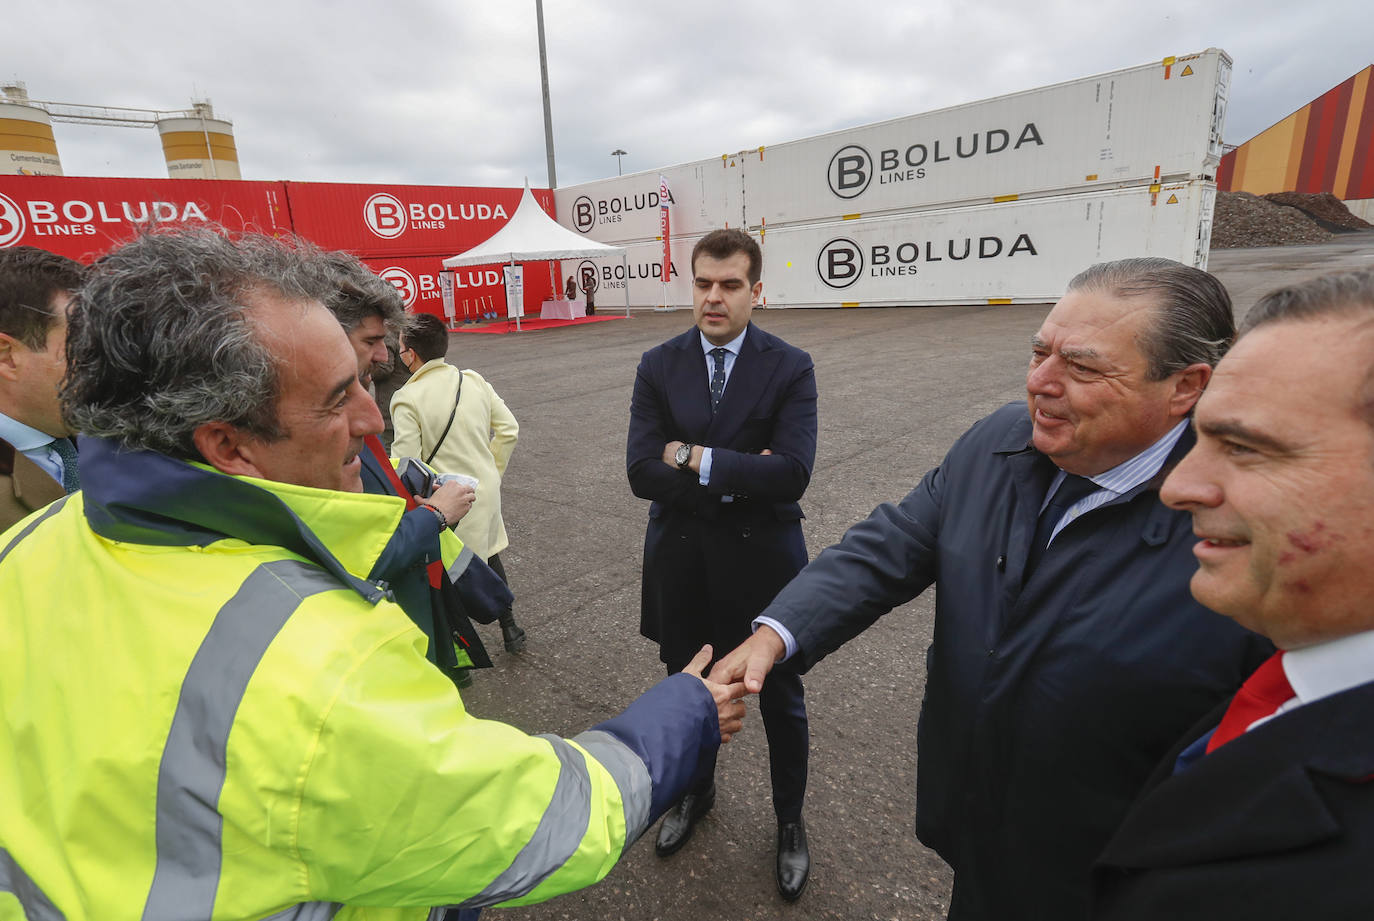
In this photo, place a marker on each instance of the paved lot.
(897, 386)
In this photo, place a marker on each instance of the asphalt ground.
(897, 386)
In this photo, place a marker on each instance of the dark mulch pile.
(1242, 219)
(1328, 210)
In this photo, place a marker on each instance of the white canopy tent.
(532, 236)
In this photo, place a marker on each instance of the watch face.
(684, 454)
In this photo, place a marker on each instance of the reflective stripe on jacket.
(201, 723)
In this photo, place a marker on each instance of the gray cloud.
(425, 91)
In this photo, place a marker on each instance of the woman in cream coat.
(478, 442)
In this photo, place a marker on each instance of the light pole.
(618, 153)
(544, 82)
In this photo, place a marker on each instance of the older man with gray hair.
(211, 707)
(1068, 653)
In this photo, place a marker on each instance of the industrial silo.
(27, 147)
(198, 145)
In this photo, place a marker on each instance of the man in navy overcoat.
(722, 439)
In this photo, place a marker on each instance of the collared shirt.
(1313, 672)
(1327, 668)
(33, 444)
(1117, 481)
(731, 353)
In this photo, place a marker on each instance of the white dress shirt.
(33, 444)
(731, 353)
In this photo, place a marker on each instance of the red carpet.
(529, 324)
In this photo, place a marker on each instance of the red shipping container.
(401, 220)
(477, 290)
(84, 218)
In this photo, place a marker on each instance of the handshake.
(740, 672)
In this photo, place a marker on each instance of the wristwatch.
(684, 456)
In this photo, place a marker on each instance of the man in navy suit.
(722, 439)
(1266, 808)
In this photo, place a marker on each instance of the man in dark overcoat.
(722, 439)
(1067, 654)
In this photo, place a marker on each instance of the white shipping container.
(641, 270)
(705, 195)
(1157, 123)
(1019, 252)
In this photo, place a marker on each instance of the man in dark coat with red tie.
(1067, 654)
(722, 439)
(1265, 810)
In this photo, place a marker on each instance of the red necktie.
(1260, 695)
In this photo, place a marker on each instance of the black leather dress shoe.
(678, 823)
(794, 859)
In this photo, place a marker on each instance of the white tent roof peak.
(531, 236)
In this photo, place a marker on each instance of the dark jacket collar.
(1256, 794)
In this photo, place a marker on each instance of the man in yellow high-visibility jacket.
(211, 709)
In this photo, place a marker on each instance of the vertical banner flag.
(663, 199)
(515, 290)
(446, 292)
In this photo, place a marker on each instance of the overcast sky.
(447, 92)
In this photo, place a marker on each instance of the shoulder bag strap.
(451, 414)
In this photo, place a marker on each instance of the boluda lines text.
(76, 218)
(852, 168)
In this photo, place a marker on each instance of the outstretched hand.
(728, 696)
(750, 661)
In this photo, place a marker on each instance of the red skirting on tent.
(529, 324)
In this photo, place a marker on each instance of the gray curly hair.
(159, 340)
(359, 294)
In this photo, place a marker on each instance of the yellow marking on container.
(1091, 177)
(851, 217)
(998, 199)
(1171, 200)
(1154, 189)
(849, 303)
(789, 263)
(999, 300)
(1187, 71)
(1171, 59)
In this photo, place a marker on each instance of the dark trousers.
(782, 705)
(715, 576)
(494, 561)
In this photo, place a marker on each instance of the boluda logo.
(404, 282)
(389, 217)
(840, 263)
(11, 222)
(586, 213)
(75, 218)
(385, 216)
(852, 168)
(426, 287)
(850, 171)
